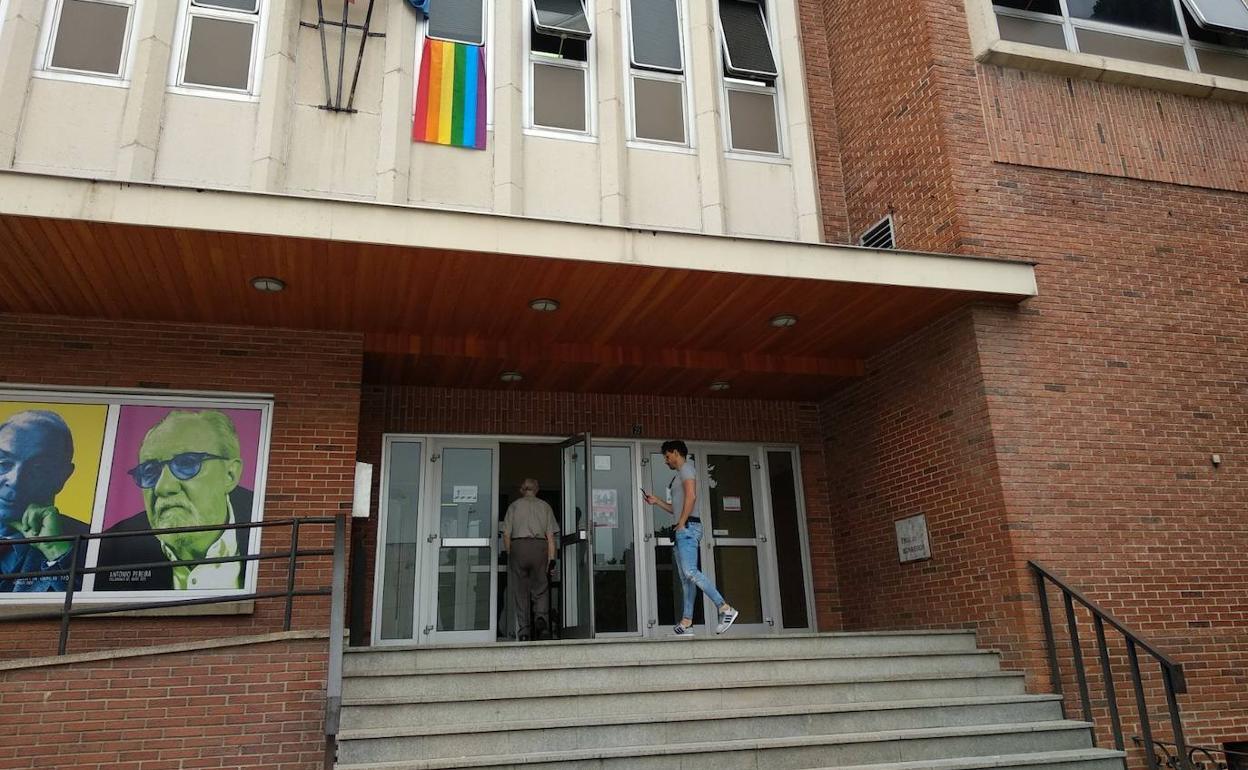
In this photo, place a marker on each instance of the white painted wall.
(284, 142)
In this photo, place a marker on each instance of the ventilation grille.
(880, 235)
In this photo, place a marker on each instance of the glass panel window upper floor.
(1206, 36)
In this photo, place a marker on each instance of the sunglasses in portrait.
(184, 466)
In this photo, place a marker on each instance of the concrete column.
(19, 40)
(398, 88)
(277, 87)
(145, 100)
(704, 77)
(797, 113)
(510, 59)
(612, 130)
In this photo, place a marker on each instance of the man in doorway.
(529, 539)
(684, 506)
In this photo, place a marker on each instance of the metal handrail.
(1210, 761)
(336, 590)
(1171, 670)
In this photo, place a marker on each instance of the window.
(1198, 35)
(88, 37)
(559, 66)
(218, 46)
(657, 71)
(460, 21)
(750, 76)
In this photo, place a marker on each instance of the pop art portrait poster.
(140, 462)
(49, 468)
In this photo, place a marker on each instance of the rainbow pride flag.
(450, 95)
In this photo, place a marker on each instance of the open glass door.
(460, 542)
(576, 543)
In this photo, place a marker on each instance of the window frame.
(589, 67)
(187, 11)
(764, 9)
(1070, 26)
(632, 71)
(4, 11)
(559, 31)
(422, 34)
(729, 82)
(47, 47)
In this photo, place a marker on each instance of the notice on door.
(912, 542)
(464, 494)
(732, 503)
(606, 508)
(602, 462)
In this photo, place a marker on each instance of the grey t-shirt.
(687, 471)
(529, 517)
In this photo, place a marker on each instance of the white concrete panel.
(452, 176)
(71, 127)
(333, 153)
(561, 179)
(760, 199)
(206, 142)
(663, 190)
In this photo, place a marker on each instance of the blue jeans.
(691, 578)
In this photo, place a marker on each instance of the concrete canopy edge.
(36, 195)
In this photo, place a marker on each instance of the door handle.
(431, 538)
(428, 629)
(762, 538)
(648, 537)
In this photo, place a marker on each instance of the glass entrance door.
(576, 544)
(734, 553)
(460, 544)
(732, 481)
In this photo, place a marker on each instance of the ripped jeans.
(691, 578)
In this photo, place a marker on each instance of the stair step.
(384, 660)
(1079, 759)
(788, 753)
(657, 700)
(416, 742)
(473, 683)
(685, 715)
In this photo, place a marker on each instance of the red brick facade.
(1077, 429)
(260, 705)
(314, 379)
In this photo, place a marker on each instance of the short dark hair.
(675, 445)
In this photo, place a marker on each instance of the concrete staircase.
(884, 701)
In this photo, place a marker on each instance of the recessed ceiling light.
(268, 284)
(544, 305)
(719, 385)
(784, 321)
(511, 376)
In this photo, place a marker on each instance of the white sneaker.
(726, 619)
(682, 630)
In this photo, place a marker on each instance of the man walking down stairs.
(878, 701)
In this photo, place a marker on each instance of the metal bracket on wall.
(333, 97)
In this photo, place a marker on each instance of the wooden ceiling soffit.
(609, 355)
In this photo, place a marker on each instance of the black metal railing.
(1197, 757)
(292, 554)
(1171, 670)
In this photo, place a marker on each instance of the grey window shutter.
(747, 47)
(656, 35)
(1220, 15)
(561, 18)
(458, 20)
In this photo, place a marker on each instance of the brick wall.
(1102, 399)
(519, 412)
(261, 705)
(913, 437)
(314, 378)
